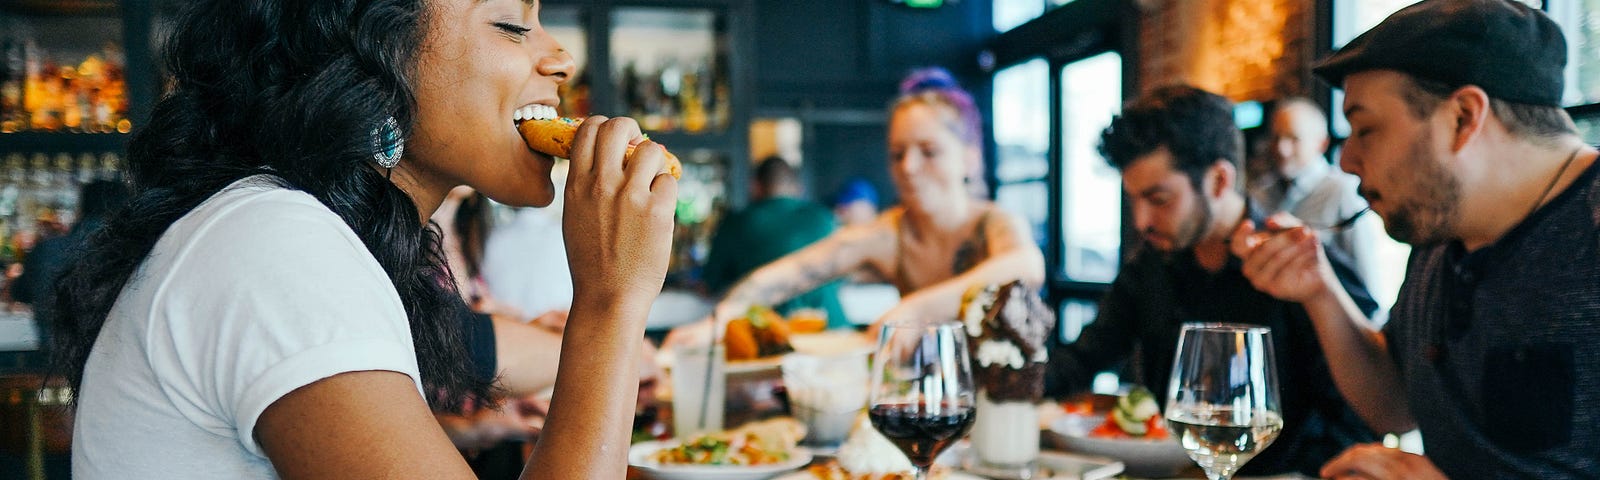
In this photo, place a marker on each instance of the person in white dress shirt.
(1302, 182)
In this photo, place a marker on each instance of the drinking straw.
(711, 356)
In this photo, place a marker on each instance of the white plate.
(1062, 466)
(1144, 457)
(805, 475)
(639, 456)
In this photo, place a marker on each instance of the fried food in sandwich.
(760, 333)
(554, 137)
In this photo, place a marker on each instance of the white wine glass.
(1222, 402)
(922, 395)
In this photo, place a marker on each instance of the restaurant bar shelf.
(53, 142)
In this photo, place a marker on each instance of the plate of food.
(755, 451)
(832, 471)
(758, 341)
(1132, 431)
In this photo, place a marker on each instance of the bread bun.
(554, 138)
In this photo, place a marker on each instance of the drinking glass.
(1222, 402)
(922, 391)
(699, 389)
(826, 393)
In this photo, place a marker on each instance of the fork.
(1342, 225)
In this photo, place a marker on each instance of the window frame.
(1062, 35)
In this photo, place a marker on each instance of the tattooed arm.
(808, 268)
(1012, 255)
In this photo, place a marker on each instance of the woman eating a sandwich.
(270, 303)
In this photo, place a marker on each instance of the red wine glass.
(922, 391)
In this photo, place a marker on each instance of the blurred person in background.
(776, 223)
(96, 201)
(467, 218)
(519, 356)
(1300, 181)
(856, 203)
(525, 262)
(939, 242)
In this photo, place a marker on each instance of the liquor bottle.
(631, 92)
(721, 105)
(86, 169)
(111, 105)
(63, 193)
(11, 185)
(689, 100)
(9, 99)
(13, 60)
(110, 167)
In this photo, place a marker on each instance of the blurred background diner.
(816, 181)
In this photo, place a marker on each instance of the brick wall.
(1243, 49)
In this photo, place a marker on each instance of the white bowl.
(1143, 457)
(639, 456)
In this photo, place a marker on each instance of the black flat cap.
(1511, 51)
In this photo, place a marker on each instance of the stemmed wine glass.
(1222, 402)
(922, 391)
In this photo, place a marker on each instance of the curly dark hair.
(1194, 125)
(291, 89)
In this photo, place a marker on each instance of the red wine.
(919, 433)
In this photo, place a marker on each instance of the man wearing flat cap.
(1493, 349)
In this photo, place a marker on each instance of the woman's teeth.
(534, 112)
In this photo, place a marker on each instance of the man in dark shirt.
(1463, 149)
(1179, 155)
(36, 286)
(775, 224)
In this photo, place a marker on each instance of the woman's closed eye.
(513, 31)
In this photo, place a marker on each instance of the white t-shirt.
(257, 292)
(525, 263)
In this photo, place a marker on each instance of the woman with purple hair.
(939, 241)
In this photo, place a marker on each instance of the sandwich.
(553, 137)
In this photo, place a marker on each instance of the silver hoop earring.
(387, 144)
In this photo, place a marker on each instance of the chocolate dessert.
(1008, 327)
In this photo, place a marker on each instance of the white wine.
(1220, 439)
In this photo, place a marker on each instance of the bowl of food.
(1131, 431)
(755, 451)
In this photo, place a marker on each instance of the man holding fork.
(1462, 147)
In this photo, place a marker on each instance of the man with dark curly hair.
(1179, 153)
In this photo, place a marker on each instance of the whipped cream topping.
(973, 315)
(993, 351)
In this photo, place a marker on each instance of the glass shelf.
(62, 142)
(671, 67)
(61, 72)
(62, 8)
